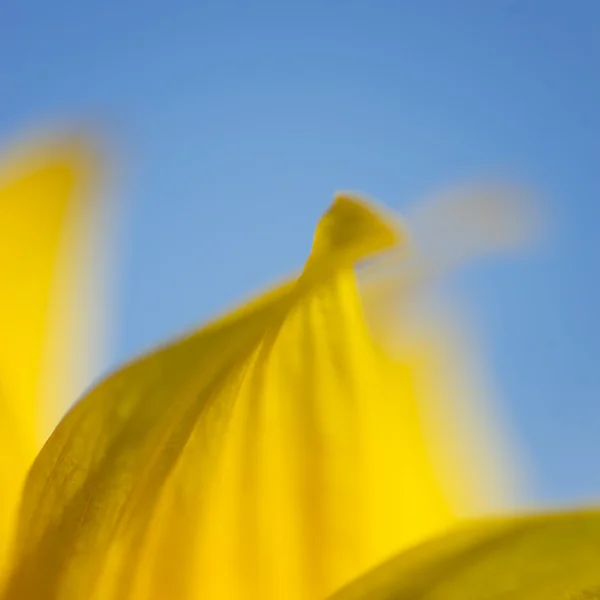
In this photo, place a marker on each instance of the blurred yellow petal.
(545, 557)
(43, 201)
(276, 453)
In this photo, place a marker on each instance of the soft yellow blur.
(533, 557)
(43, 195)
(277, 453)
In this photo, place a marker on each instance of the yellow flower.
(280, 452)
(276, 453)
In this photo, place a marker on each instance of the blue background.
(238, 120)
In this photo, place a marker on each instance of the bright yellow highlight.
(40, 191)
(542, 557)
(277, 453)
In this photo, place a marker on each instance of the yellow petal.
(276, 453)
(545, 557)
(42, 198)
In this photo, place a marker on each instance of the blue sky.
(238, 120)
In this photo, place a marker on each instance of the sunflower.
(310, 442)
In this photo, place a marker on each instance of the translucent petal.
(43, 196)
(545, 557)
(276, 453)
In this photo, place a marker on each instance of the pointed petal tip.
(353, 228)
